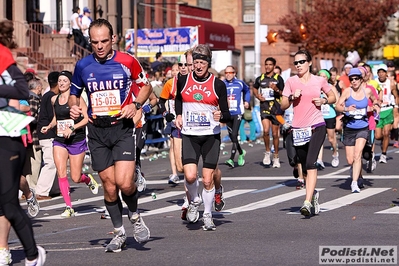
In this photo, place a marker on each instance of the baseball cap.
(30, 70)
(382, 67)
(355, 72)
(390, 64)
(86, 10)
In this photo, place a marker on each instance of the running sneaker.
(354, 187)
(141, 183)
(335, 160)
(373, 164)
(41, 258)
(266, 159)
(69, 212)
(396, 144)
(306, 208)
(33, 205)
(230, 163)
(208, 222)
(300, 184)
(93, 185)
(141, 232)
(383, 158)
(219, 200)
(241, 158)
(320, 164)
(5, 256)
(173, 179)
(117, 243)
(315, 203)
(192, 211)
(184, 208)
(276, 162)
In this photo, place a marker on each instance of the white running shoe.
(208, 222)
(69, 212)
(266, 159)
(117, 243)
(335, 161)
(383, 158)
(355, 188)
(192, 211)
(33, 206)
(276, 162)
(315, 202)
(5, 256)
(141, 232)
(173, 179)
(141, 183)
(93, 185)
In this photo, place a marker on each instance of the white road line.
(267, 202)
(226, 195)
(392, 210)
(348, 199)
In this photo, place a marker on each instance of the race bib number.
(358, 113)
(301, 136)
(232, 105)
(198, 119)
(325, 109)
(268, 94)
(105, 102)
(63, 125)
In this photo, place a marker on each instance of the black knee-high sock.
(239, 148)
(115, 211)
(131, 201)
(233, 151)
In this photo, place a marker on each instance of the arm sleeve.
(247, 93)
(14, 84)
(221, 91)
(178, 100)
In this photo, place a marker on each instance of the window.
(249, 62)
(204, 4)
(248, 11)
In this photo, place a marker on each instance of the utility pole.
(257, 39)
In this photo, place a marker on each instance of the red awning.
(218, 36)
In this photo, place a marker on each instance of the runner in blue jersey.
(107, 77)
(238, 97)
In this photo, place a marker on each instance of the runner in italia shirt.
(196, 100)
(109, 87)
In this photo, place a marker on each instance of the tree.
(339, 26)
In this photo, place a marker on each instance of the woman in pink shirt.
(309, 128)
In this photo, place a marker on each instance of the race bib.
(62, 126)
(301, 136)
(105, 102)
(325, 109)
(232, 105)
(268, 94)
(198, 119)
(358, 113)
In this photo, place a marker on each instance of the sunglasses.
(299, 62)
(354, 78)
(181, 64)
(229, 73)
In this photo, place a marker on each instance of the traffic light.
(271, 36)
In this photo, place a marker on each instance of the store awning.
(218, 36)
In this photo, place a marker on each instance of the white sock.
(208, 197)
(122, 229)
(192, 189)
(354, 183)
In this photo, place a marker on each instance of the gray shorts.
(351, 135)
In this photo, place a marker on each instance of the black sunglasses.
(354, 78)
(299, 62)
(181, 64)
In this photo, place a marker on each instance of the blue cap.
(86, 10)
(355, 72)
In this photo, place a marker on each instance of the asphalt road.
(260, 224)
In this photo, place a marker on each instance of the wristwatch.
(138, 105)
(72, 128)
